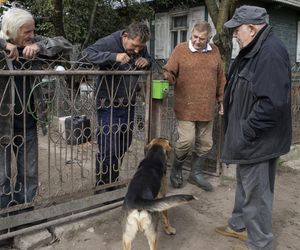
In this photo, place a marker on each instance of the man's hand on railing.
(122, 58)
(31, 51)
(12, 51)
(141, 62)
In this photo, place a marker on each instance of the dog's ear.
(168, 148)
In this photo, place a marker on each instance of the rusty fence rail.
(69, 180)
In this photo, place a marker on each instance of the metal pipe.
(61, 220)
(69, 72)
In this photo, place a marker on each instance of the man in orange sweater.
(196, 69)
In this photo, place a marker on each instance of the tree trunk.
(91, 24)
(220, 12)
(57, 18)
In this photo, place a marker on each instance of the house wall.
(163, 23)
(285, 21)
(285, 24)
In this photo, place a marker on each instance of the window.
(179, 30)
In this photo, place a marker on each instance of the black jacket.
(103, 53)
(257, 102)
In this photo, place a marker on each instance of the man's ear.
(253, 30)
(168, 149)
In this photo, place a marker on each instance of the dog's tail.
(162, 204)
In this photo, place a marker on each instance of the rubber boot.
(176, 173)
(196, 176)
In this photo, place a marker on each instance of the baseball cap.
(247, 14)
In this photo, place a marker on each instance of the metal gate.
(70, 173)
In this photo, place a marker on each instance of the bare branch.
(91, 24)
(57, 18)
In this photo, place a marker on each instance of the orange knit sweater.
(199, 82)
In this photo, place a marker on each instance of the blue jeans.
(114, 138)
(24, 188)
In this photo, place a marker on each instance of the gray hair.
(12, 21)
(138, 29)
(202, 26)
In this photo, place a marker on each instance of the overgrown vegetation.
(83, 21)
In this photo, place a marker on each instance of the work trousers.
(254, 203)
(190, 132)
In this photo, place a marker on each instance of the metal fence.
(296, 102)
(92, 126)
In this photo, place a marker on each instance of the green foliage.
(109, 17)
(169, 4)
(42, 11)
(136, 12)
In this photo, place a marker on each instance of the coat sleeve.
(99, 53)
(271, 89)
(53, 46)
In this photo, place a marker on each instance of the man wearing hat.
(257, 124)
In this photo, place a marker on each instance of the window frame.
(179, 30)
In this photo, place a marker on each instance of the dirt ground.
(195, 222)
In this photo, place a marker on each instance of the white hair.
(12, 21)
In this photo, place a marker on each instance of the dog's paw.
(170, 230)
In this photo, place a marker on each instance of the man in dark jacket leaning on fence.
(21, 104)
(257, 114)
(116, 94)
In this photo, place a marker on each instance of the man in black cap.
(257, 123)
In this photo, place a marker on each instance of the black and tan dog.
(145, 197)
